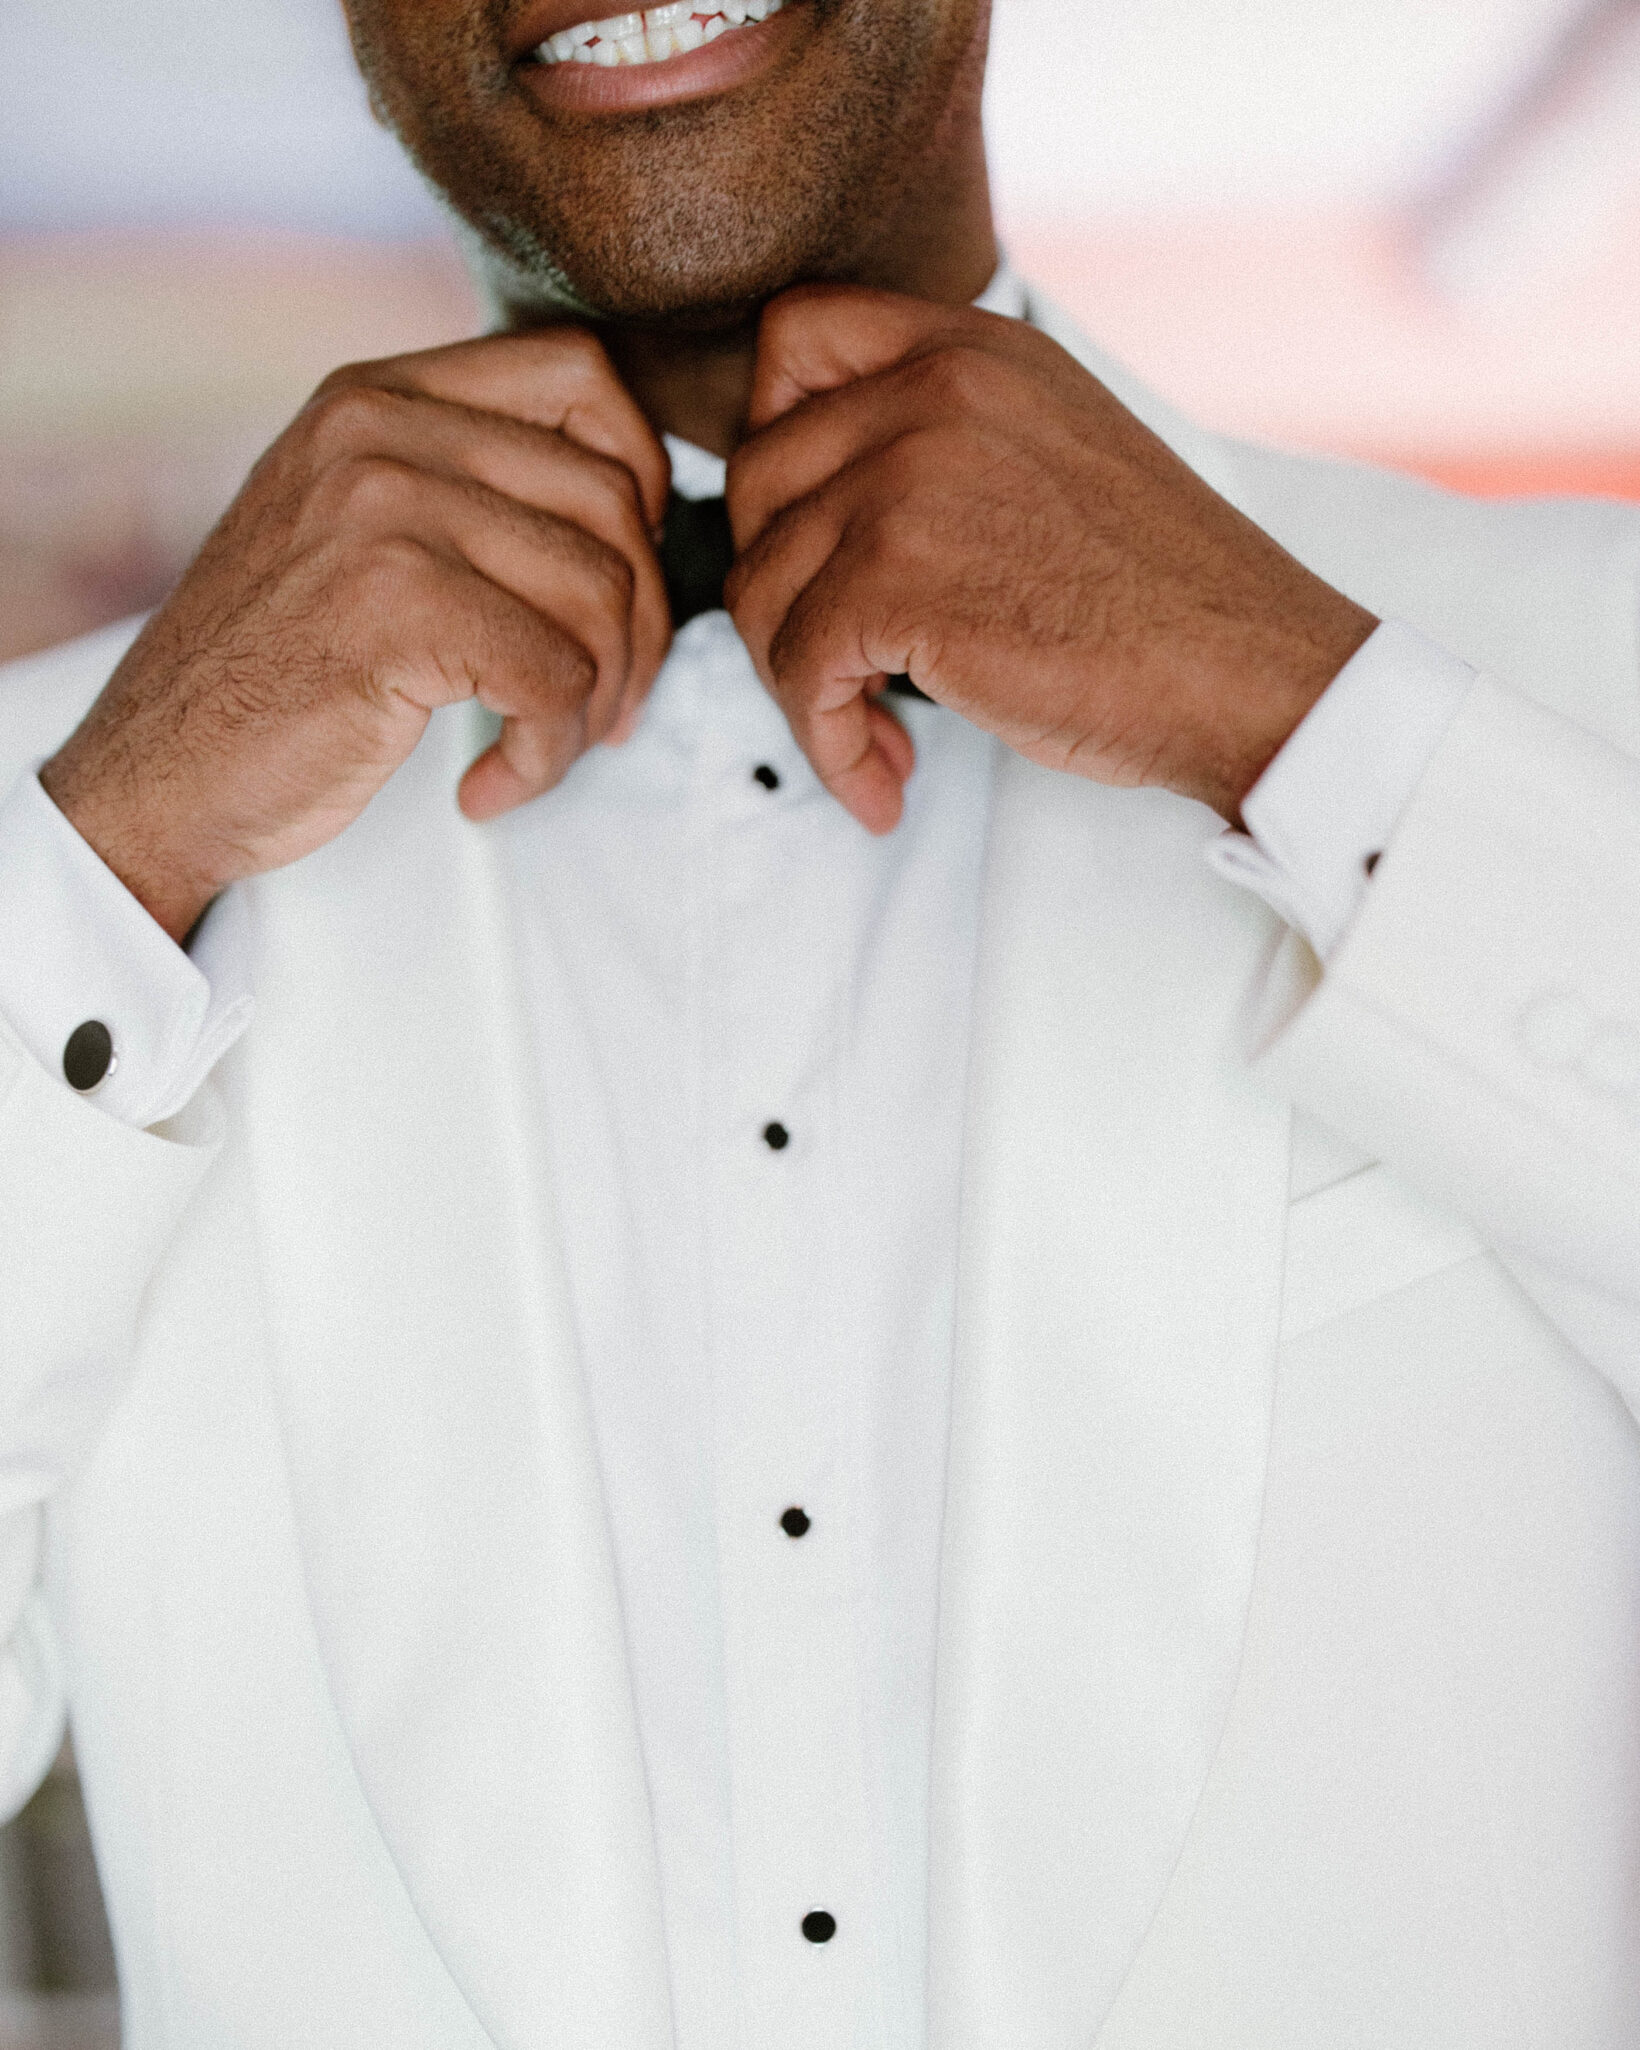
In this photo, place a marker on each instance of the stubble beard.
(686, 217)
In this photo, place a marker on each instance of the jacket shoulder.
(1541, 593)
(44, 697)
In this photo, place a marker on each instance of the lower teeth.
(653, 36)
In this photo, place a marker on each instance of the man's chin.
(521, 285)
(689, 214)
(700, 269)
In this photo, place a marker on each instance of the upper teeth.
(654, 35)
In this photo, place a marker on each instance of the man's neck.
(940, 245)
(698, 386)
(694, 386)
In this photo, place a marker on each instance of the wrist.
(1274, 692)
(173, 888)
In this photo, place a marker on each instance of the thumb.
(817, 337)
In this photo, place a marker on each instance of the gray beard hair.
(517, 279)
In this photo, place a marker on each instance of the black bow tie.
(696, 551)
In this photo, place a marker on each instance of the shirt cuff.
(75, 945)
(1327, 806)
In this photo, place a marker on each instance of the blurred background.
(1402, 229)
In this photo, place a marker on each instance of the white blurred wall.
(138, 111)
(1097, 106)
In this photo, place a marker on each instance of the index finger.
(558, 377)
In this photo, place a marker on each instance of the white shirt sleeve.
(76, 945)
(1327, 806)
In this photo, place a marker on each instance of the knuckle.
(901, 467)
(620, 488)
(900, 531)
(384, 572)
(624, 487)
(344, 375)
(373, 490)
(346, 410)
(612, 573)
(958, 375)
(888, 542)
(574, 673)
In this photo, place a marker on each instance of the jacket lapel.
(1124, 1201)
(440, 1453)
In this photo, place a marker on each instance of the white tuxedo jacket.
(1289, 1674)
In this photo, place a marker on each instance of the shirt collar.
(695, 474)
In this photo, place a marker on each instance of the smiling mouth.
(654, 36)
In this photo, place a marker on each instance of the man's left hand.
(951, 496)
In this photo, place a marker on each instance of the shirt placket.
(788, 1467)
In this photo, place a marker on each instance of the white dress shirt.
(752, 1020)
(753, 1028)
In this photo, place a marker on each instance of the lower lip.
(734, 58)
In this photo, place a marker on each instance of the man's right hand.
(475, 521)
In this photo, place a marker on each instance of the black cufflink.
(88, 1057)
